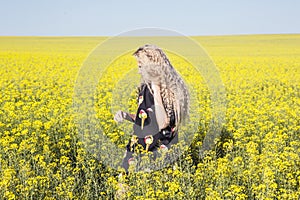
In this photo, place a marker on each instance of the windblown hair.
(156, 67)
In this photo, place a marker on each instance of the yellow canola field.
(257, 155)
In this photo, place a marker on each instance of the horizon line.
(213, 35)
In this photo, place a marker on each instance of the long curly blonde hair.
(156, 67)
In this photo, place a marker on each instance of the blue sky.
(110, 17)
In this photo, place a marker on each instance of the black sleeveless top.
(146, 112)
(145, 123)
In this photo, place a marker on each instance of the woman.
(163, 104)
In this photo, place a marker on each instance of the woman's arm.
(130, 117)
(160, 112)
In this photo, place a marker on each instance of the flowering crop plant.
(256, 156)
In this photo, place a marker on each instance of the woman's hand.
(120, 116)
